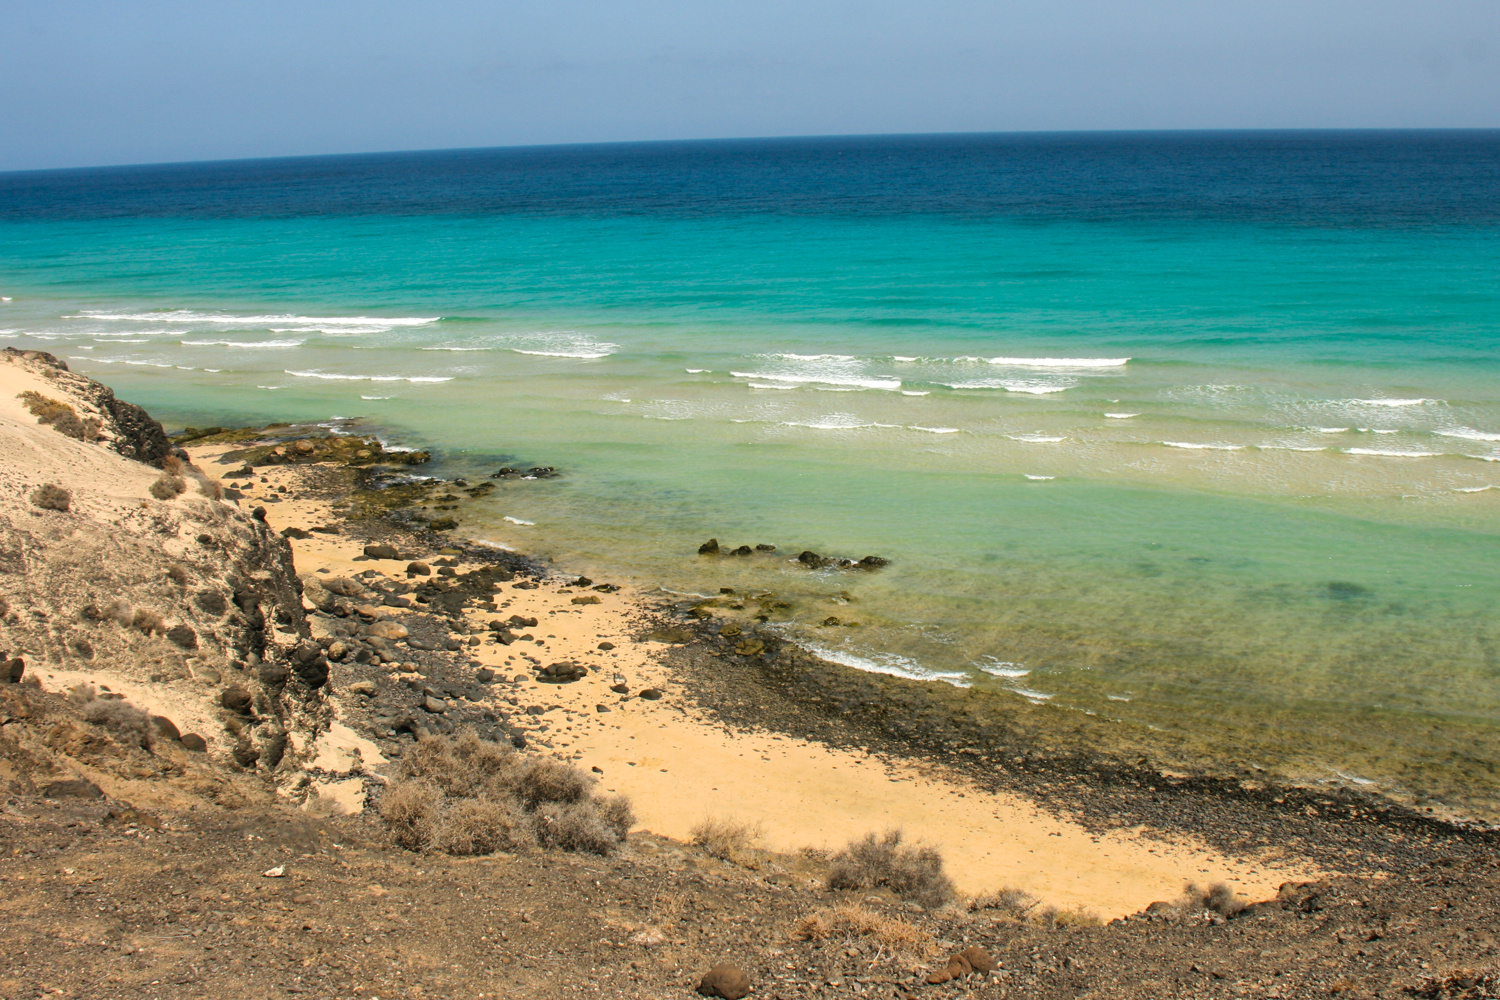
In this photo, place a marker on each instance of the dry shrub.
(171, 465)
(167, 486)
(849, 923)
(914, 873)
(1459, 983)
(63, 418)
(128, 724)
(212, 488)
(1073, 916)
(726, 839)
(148, 622)
(1012, 903)
(121, 612)
(467, 796)
(1217, 898)
(50, 496)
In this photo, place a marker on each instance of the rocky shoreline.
(142, 862)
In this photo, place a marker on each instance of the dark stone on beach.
(72, 788)
(743, 550)
(443, 524)
(166, 728)
(194, 742)
(484, 675)
(763, 547)
(709, 548)
(812, 559)
(434, 705)
(259, 513)
(518, 740)
(381, 551)
(601, 708)
(295, 532)
(651, 694)
(873, 562)
(183, 636)
(535, 710)
(12, 670)
(726, 981)
(620, 688)
(606, 645)
(831, 620)
(273, 675)
(237, 700)
(245, 754)
(563, 672)
(392, 601)
(418, 569)
(518, 622)
(583, 581)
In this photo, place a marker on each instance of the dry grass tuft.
(212, 488)
(1217, 898)
(914, 873)
(727, 839)
(894, 939)
(148, 622)
(1012, 903)
(63, 418)
(1459, 983)
(1073, 916)
(168, 486)
(50, 496)
(466, 796)
(171, 465)
(125, 722)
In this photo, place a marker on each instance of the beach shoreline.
(739, 737)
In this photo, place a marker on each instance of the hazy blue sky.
(128, 81)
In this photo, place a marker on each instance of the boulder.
(238, 700)
(437, 706)
(651, 694)
(391, 631)
(564, 672)
(418, 569)
(709, 548)
(11, 670)
(590, 599)
(382, 551)
(743, 550)
(725, 980)
(606, 646)
(873, 562)
(194, 742)
(166, 728)
(343, 586)
(183, 636)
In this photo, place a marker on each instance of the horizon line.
(764, 138)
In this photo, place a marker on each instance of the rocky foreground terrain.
(181, 725)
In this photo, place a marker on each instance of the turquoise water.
(1196, 434)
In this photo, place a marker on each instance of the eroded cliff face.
(187, 608)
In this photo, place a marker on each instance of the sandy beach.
(679, 766)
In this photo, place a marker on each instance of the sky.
(93, 82)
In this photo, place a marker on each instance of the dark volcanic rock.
(709, 548)
(378, 551)
(184, 636)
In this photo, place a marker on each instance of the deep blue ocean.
(1196, 432)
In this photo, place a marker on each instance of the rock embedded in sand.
(236, 699)
(651, 694)
(418, 569)
(390, 631)
(590, 599)
(12, 670)
(382, 551)
(166, 728)
(342, 586)
(725, 980)
(183, 636)
(194, 742)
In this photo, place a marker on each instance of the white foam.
(1035, 697)
(229, 319)
(1468, 434)
(1121, 416)
(1036, 438)
(901, 357)
(810, 357)
(1391, 454)
(1392, 402)
(1002, 668)
(377, 397)
(584, 354)
(239, 343)
(333, 376)
(495, 545)
(1333, 430)
(697, 371)
(1039, 479)
(1194, 446)
(517, 520)
(762, 385)
(863, 383)
(831, 422)
(933, 430)
(915, 392)
(1059, 362)
(1471, 489)
(270, 387)
(1033, 387)
(1387, 430)
(1291, 447)
(889, 664)
(1117, 697)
